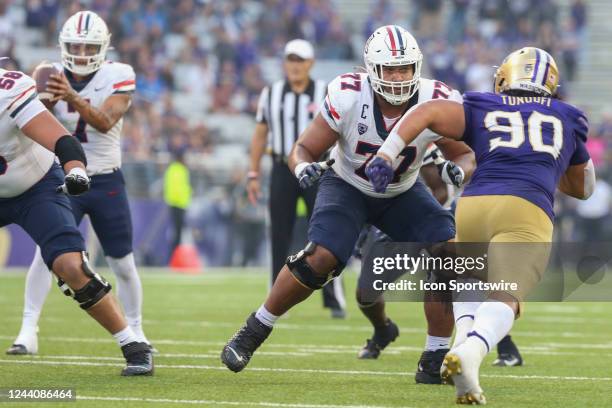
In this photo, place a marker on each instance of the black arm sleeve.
(68, 148)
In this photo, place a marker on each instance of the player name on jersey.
(518, 100)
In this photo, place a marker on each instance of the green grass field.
(309, 360)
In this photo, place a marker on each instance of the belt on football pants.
(103, 172)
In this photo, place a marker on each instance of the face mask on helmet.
(84, 40)
(393, 62)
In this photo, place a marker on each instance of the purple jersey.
(523, 145)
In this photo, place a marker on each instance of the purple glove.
(380, 173)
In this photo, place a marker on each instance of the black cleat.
(428, 369)
(240, 348)
(379, 341)
(138, 358)
(507, 354)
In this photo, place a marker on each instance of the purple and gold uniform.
(523, 145)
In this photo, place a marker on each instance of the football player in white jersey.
(91, 95)
(359, 112)
(30, 137)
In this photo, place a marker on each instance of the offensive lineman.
(359, 112)
(517, 132)
(29, 197)
(92, 96)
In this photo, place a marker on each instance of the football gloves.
(76, 182)
(309, 173)
(451, 173)
(380, 173)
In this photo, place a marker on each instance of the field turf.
(309, 360)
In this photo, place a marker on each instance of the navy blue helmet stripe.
(399, 38)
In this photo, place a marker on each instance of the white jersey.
(23, 162)
(351, 110)
(103, 150)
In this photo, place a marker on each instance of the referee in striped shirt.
(285, 110)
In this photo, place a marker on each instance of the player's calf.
(78, 280)
(303, 273)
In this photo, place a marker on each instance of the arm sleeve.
(262, 106)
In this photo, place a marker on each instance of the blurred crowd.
(208, 54)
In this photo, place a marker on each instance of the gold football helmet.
(528, 69)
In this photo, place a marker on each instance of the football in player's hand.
(41, 75)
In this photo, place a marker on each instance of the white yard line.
(218, 403)
(36, 361)
(307, 349)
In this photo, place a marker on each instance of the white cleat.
(461, 366)
(23, 347)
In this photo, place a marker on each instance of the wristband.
(393, 145)
(252, 175)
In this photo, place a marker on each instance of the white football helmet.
(88, 29)
(392, 45)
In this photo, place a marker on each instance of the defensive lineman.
(359, 112)
(519, 132)
(29, 178)
(92, 96)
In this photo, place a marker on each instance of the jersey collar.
(78, 85)
(381, 128)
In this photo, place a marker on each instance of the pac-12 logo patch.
(362, 128)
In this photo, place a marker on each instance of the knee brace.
(304, 273)
(92, 292)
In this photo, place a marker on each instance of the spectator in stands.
(7, 39)
(427, 17)
(479, 73)
(569, 46)
(457, 21)
(150, 85)
(381, 13)
(43, 14)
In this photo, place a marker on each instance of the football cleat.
(240, 348)
(508, 354)
(23, 347)
(139, 360)
(338, 313)
(18, 350)
(379, 341)
(461, 367)
(428, 368)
